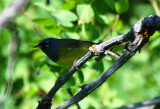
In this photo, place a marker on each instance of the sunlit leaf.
(85, 12)
(122, 6)
(44, 21)
(46, 7)
(54, 29)
(69, 5)
(89, 31)
(64, 17)
(70, 35)
(155, 43)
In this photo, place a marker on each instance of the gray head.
(50, 47)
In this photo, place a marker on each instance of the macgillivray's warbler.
(64, 51)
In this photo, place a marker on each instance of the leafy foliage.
(90, 20)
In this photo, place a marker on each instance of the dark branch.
(45, 103)
(138, 42)
(70, 92)
(139, 36)
(148, 104)
(100, 80)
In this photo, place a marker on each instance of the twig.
(11, 11)
(108, 52)
(34, 25)
(138, 42)
(100, 80)
(116, 21)
(45, 103)
(113, 27)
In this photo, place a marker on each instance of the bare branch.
(146, 27)
(70, 92)
(148, 104)
(11, 11)
(139, 35)
(87, 89)
(34, 25)
(45, 103)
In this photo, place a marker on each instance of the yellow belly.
(67, 57)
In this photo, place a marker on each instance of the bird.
(64, 51)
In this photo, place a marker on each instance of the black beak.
(36, 46)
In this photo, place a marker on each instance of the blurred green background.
(33, 74)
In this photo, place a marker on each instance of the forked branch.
(139, 35)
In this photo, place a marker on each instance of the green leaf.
(42, 5)
(85, 12)
(70, 35)
(138, 10)
(71, 4)
(44, 21)
(104, 19)
(101, 18)
(98, 66)
(64, 17)
(55, 68)
(110, 3)
(121, 6)
(70, 82)
(65, 23)
(81, 76)
(49, 25)
(101, 6)
(155, 43)
(89, 31)
(39, 62)
(53, 29)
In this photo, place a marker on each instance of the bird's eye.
(47, 45)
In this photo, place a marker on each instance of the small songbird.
(64, 51)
